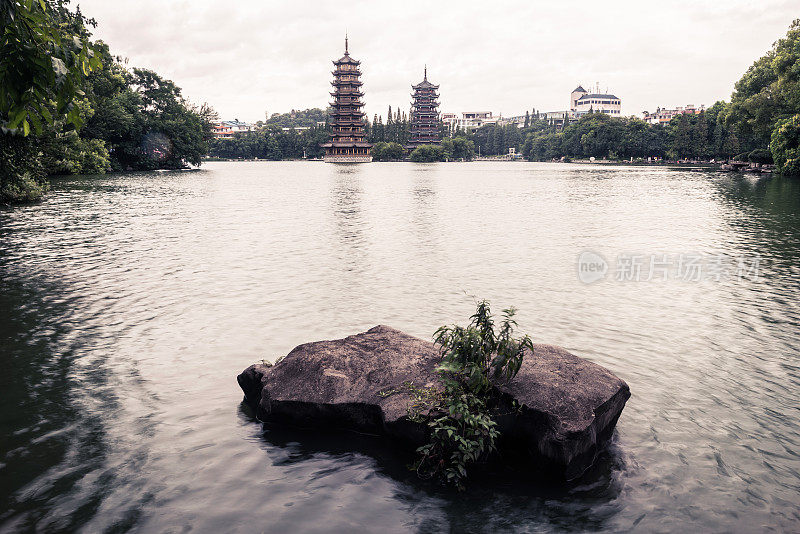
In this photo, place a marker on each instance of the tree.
(699, 136)
(463, 148)
(44, 56)
(387, 151)
(427, 154)
(681, 138)
(174, 133)
(785, 146)
(768, 92)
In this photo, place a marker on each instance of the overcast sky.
(248, 57)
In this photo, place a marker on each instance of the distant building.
(424, 114)
(469, 120)
(663, 116)
(227, 129)
(582, 102)
(348, 142)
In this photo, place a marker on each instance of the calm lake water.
(130, 303)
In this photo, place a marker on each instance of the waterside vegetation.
(68, 106)
(461, 419)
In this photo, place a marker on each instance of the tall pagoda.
(424, 114)
(347, 144)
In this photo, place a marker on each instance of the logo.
(591, 267)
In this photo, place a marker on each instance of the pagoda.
(347, 144)
(424, 114)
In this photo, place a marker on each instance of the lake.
(130, 303)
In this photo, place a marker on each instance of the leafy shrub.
(21, 170)
(759, 155)
(25, 188)
(387, 151)
(785, 146)
(473, 358)
(427, 154)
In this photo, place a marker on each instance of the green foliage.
(427, 154)
(85, 111)
(458, 148)
(596, 135)
(785, 146)
(477, 353)
(461, 426)
(387, 151)
(70, 154)
(271, 144)
(463, 434)
(21, 170)
(494, 140)
(396, 128)
(760, 155)
(768, 92)
(297, 119)
(681, 138)
(44, 56)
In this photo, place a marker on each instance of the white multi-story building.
(227, 129)
(581, 102)
(663, 116)
(469, 120)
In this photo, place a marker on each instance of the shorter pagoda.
(424, 114)
(348, 143)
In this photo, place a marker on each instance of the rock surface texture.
(566, 410)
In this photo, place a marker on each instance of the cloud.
(252, 56)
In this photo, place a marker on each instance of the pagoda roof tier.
(347, 116)
(346, 60)
(347, 144)
(343, 72)
(417, 91)
(338, 122)
(355, 104)
(355, 83)
(349, 94)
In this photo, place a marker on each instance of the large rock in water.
(567, 406)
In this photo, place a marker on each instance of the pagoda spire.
(345, 43)
(425, 78)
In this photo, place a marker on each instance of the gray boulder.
(560, 409)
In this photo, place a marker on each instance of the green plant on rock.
(474, 357)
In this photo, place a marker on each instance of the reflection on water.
(129, 303)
